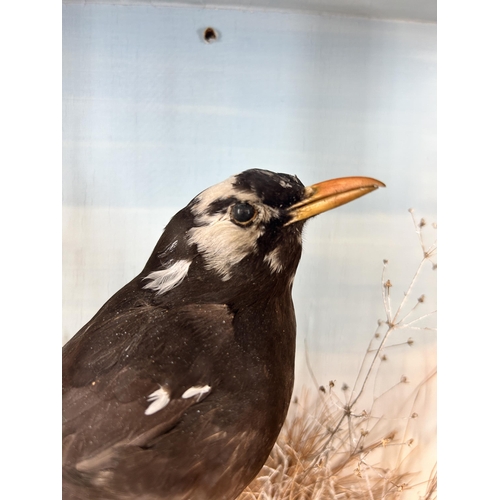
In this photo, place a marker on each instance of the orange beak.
(330, 194)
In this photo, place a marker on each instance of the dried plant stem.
(407, 293)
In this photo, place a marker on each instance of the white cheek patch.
(223, 244)
(158, 399)
(196, 391)
(164, 280)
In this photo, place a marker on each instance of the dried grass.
(351, 443)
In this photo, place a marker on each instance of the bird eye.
(242, 213)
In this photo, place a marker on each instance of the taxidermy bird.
(178, 387)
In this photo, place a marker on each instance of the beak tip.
(378, 184)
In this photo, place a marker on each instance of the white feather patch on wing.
(164, 280)
(197, 390)
(158, 399)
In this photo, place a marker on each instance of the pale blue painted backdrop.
(152, 116)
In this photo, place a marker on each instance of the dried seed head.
(411, 210)
(414, 415)
(422, 223)
(322, 389)
(410, 341)
(404, 379)
(386, 261)
(344, 387)
(421, 298)
(383, 357)
(331, 384)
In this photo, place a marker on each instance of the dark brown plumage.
(178, 387)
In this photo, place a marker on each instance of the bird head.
(244, 230)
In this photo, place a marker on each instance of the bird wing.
(129, 378)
